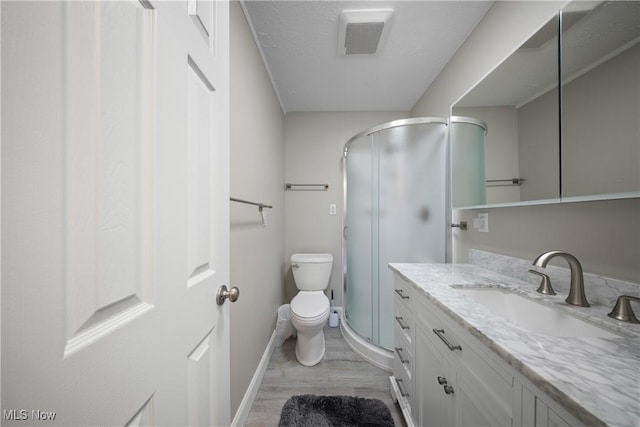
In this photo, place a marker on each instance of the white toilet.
(310, 308)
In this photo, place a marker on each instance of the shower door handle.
(344, 232)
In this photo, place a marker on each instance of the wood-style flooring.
(341, 372)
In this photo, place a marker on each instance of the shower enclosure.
(396, 199)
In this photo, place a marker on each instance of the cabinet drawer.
(403, 294)
(403, 355)
(405, 324)
(406, 383)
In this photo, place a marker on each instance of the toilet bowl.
(310, 307)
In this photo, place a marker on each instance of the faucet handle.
(622, 310)
(545, 284)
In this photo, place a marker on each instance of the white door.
(115, 165)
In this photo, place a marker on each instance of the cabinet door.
(435, 406)
(544, 415)
(469, 412)
(484, 393)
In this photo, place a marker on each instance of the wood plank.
(341, 372)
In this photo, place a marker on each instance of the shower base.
(373, 354)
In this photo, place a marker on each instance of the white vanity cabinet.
(449, 378)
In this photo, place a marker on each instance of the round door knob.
(223, 293)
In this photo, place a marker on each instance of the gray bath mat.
(309, 410)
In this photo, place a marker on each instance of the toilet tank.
(311, 272)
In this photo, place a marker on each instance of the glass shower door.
(411, 209)
(359, 221)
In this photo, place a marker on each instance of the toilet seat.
(309, 306)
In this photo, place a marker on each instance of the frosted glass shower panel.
(467, 142)
(411, 228)
(359, 223)
(396, 193)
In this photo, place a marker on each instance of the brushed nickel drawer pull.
(403, 361)
(403, 296)
(399, 320)
(402, 392)
(440, 334)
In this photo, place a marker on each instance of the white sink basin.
(533, 316)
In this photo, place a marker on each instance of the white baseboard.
(249, 396)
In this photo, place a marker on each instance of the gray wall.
(604, 235)
(257, 168)
(313, 154)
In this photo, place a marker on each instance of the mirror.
(519, 102)
(601, 98)
(597, 156)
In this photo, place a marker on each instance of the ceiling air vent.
(362, 32)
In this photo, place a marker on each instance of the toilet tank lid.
(313, 258)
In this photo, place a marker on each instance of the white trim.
(563, 200)
(264, 58)
(249, 396)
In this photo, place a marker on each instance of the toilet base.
(310, 348)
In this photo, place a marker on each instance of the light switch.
(481, 222)
(332, 209)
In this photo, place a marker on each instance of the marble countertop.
(595, 379)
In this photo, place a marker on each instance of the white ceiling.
(299, 40)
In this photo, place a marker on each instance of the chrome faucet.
(576, 290)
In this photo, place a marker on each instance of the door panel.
(106, 177)
(201, 367)
(114, 213)
(203, 15)
(199, 99)
(144, 417)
